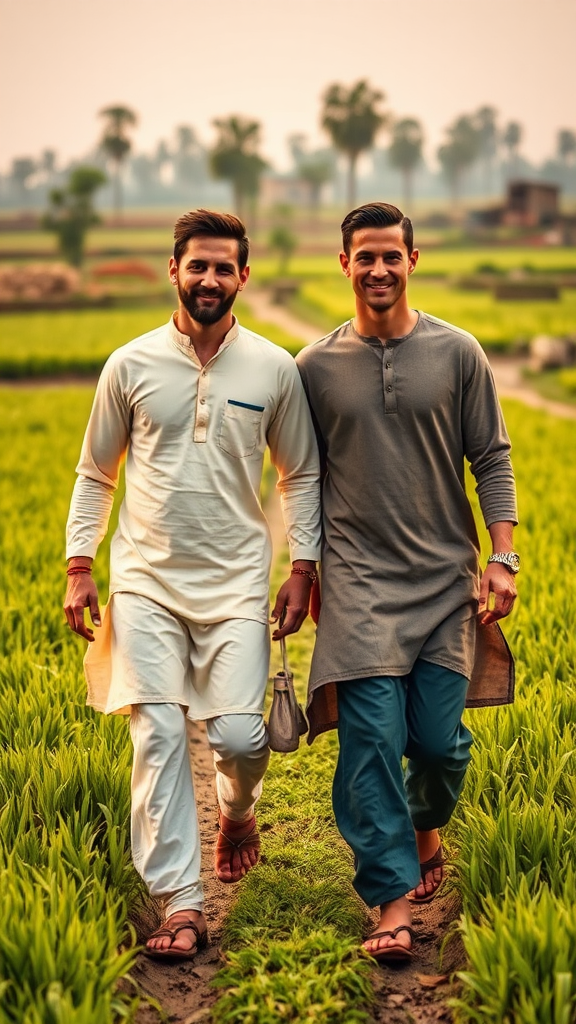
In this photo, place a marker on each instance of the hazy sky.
(184, 61)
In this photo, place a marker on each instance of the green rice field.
(501, 325)
(67, 888)
(441, 262)
(80, 341)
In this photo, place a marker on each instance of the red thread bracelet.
(310, 573)
(77, 570)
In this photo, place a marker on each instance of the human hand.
(82, 593)
(291, 606)
(497, 593)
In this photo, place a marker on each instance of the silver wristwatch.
(508, 558)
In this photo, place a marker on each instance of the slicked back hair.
(376, 215)
(208, 223)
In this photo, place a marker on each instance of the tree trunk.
(455, 183)
(408, 191)
(238, 199)
(117, 194)
(353, 157)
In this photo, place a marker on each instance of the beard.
(205, 314)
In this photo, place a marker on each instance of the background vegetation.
(67, 887)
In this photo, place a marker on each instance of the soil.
(418, 991)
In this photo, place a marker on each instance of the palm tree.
(116, 144)
(512, 137)
(565, 145)
(23, 167)
(316, 168)
(485, 119)
(187, 156)
(235, 157)
(352, 119)
(459, 153)
(405, 152)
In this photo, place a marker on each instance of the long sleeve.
(294, 453)
(104, 445)
(487, 446)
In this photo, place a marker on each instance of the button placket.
(201, 422)
(390, 404)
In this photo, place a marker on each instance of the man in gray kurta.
(400, 399)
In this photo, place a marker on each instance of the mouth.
(379, 289)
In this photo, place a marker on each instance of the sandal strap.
(438, 860)
(393, 934)
(171, 933)
(252, 835)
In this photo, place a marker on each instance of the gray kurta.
(400, 550)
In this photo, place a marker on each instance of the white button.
(202, 401)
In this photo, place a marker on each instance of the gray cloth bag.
(287, 721)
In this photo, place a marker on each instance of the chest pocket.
(240, 428)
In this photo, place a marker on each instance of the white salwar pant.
(165, 835)
(168, 669)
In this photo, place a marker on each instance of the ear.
(244, 275)
(172, 270)
(413, 260)
(344, 263)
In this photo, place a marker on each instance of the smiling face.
(378, 266)
(208, 277)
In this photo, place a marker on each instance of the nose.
(209, 278)
(379, 269)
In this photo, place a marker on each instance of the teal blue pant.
(377, 805)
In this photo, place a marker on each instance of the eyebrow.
(368, 252)
(219, 266)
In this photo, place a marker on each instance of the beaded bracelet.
(310, 573)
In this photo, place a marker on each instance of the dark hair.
(216, 225)
(376, 215)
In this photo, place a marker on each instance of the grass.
(501, 326)
(80, 341)
(66, 883)
(556, 385)
(442, 262)
(515, 826)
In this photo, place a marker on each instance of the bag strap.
(284, 654)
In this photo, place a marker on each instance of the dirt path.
(269, 312)
(511, 384)
(418, 993)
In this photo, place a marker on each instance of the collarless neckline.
(373, 339)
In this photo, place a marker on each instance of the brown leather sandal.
(437, 861)
(177, 954)
(226, 842)
(392, 954)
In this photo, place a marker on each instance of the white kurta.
(191, 534)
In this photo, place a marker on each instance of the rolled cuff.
(305, 552)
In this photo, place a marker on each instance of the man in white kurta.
(192, 407)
